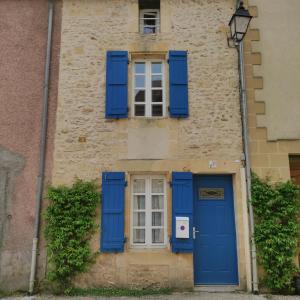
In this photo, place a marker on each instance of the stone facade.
(269, 152)
(87, 144)
(23, 29)
(272, 90)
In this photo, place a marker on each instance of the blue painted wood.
(178, 80)
(112, 213)
(116, 103)
(182, 206)
(215, 254)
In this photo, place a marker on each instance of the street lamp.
(239, 24)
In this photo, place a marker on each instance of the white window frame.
(148, 213)
(157, 19)
(148, 88)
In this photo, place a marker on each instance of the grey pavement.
(175, 296)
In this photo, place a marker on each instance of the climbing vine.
(70, 222)
(276, 209)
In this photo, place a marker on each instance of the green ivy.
(276, 209)
(70, 222)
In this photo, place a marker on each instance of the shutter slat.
(182, 206)
(112, 213)
(116, 105)
(178, 78)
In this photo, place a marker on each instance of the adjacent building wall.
(272, 75)
(273, 93)
(87, 144)
(23, 32)
(278, 24)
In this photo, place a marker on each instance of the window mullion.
(163, 88)
(165, 210)
(149, 214)
(148, 88)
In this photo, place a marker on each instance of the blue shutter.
(116, 84)
(112, 216)
(182, 206)
(178, 78)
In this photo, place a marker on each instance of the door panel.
(215, 256)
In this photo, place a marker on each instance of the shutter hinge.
(125, 183)
(125, 239)
(168, 108)
(170, 183)
(168, 61)
(128, 61)
(127, 109)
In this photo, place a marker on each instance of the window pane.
(157, 236)
(157, 186)
(157, 219)
(138, 202)
(156, 67)
(139, 96)
(139, 67)
(157, 110)
(139, 236)
(156, 81)
(139, 185)
(139, 219)
(157, 96)
(139, 81)
(152, 14)
(157, 201)
(149, 29)
(149, 22)
(139, 110)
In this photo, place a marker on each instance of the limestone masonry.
(87, 144)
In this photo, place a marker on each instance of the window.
(149, 21)
(295, 168)
(148, 89)
(149, 217)
(149, 16)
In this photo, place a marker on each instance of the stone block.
(259, 160)
(267, 147)
(279, 160)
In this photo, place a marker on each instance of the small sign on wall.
(182, 227)
(212, 164)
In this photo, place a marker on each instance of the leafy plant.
(276, 209)
(70, 222)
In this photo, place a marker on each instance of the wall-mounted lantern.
(239, 24)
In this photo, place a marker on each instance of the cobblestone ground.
(175, 296)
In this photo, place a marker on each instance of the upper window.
(149, 216)
(149, 16)
(148, 89)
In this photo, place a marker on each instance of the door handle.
(194, 232)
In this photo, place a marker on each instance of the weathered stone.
(137, 145)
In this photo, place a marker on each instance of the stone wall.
(273, 118)
(269, 158)
(280, 67)
(87, 144)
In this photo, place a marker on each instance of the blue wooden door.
(215, 254)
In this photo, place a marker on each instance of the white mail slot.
(182, 227)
